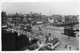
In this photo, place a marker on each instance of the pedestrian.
(69, 37)
(65, 46)
(77, 49)
(47, 38)
(70, 48)
(49, 34)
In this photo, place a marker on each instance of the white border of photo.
(35, 1)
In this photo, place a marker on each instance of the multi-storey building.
(36, 17)
(63, 18)
(50, 19)
(55, 18)
(4, 20)
(71, 18)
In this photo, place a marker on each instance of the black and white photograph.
(40, 26)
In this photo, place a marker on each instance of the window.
(50, 18)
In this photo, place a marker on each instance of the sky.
(45, 8)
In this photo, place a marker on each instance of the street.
(73, 42)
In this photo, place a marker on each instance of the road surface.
(73, 42)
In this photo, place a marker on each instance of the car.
(40, 29)
(33, 47)
(77, 29)
(36, 46)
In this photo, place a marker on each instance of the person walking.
(65, 46)
(69, 37)
(47, 38)
(70, 48)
